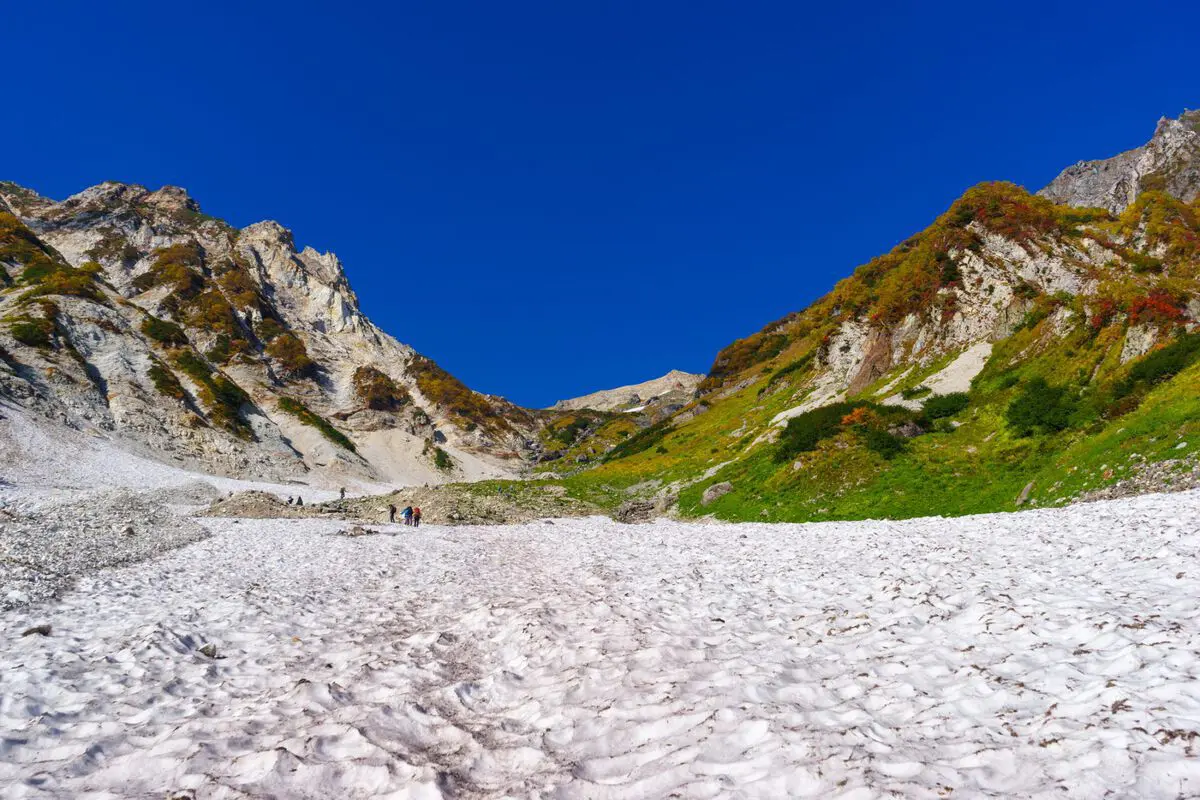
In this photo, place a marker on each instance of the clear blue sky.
(551, 198)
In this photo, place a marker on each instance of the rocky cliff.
(675, 386)
(132, 314)
(1169, 162)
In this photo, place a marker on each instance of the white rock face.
(121, 227)
(983, 308)
(1138, 341)
(675, 381)
(1170, 161)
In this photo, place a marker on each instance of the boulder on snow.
(635, 511)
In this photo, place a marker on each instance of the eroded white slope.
(1047, 653)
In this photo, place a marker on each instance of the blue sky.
(551, 198)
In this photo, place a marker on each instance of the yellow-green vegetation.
(165, 381)
(1054, 406)
(41, 270)
(240, 289)
(164, 332)
(440, 458)
(32, 331)
(565, 429)
(466, 407)
(292, 356)
(20, 248)
(268, 328)
(584, 435)
(221, 396)
(178, 266)
(377, 391)
(302, 412)
(907, 280)
(66, 281)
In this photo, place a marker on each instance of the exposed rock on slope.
(1169, 162)
(675, 385)
(1013, 340)
(131, 313)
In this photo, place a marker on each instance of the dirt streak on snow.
(1051, 652)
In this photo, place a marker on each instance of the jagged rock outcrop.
(997, 259)
(1169, 162)
(131, 313)
(675, 385)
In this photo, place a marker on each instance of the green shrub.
(306, 416)
(33, 332)
(165, 381)
(221, 351)
(292, 356)
(177, 266)
(222, 398)
(567, 429)
(882, 442)
(1040, 408)
(1160, 365)
(212, 312)
(950, 271)
(441, 459)
(378, 391)
(945, 405)
(268, 329)
(1008, 380)
(164, 332)
(913, 392)
(804, 432)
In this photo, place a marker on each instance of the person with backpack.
(391, 513)
(416, 515)
(408, 514)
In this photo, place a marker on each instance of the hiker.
(408, 512)
(343, 490)
(391, 513)
(416, 517)
(291, 499)
(299, 500)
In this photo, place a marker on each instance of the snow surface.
(1051, 653)
(48, 462)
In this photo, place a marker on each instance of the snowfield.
(1042, 654)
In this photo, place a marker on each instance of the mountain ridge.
(1169, 162)
(229, 349)
(1015, 351)
(622, 397)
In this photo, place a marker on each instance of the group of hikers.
(412, 516)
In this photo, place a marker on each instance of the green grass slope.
(1056, 406)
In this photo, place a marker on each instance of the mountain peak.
(676, 384)
(1169, 162)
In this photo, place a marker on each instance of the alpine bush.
(1040, 408)
(945, 405)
